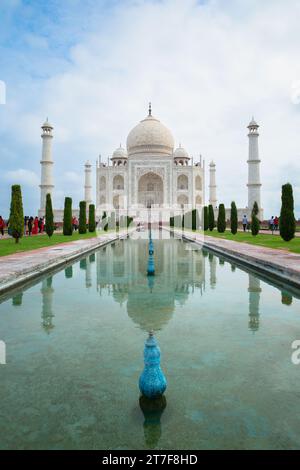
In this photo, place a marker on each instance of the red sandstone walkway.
(279, 263)
(23, 266)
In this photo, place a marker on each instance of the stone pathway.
(23, 266)
(280, 264)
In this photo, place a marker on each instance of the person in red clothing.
(2, 225)
(276, 223)
(35, 226)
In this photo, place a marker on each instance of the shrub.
(49, 216)
(211, 218)
(16, 218)
(68, 227)
(195, 219)
(233, 218)
(254, 220)
(221, 224)
(287, 223)
(205, 218)
(82, 217)
(92, 220)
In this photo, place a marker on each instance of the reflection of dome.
(119, 153)
(150, 136)
(150, 312)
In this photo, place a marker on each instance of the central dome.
(150, 136)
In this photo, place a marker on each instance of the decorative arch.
(102, 200)
(116, 202)
(182, 200)
(182, 182)
(198, 201)
(102, 183)
(198, 183)
(150, 190)
(118, 182)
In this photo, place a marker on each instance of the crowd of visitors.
(32, 226)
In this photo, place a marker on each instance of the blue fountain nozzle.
(152, 382)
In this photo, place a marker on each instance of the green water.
(74, 344)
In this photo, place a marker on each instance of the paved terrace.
(279, 264)
(24, 266)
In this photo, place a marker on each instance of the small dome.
(119, 153)
(150, 136)
(253, 123)
(181, 153)
(47, 124)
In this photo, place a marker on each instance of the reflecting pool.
(74, 352)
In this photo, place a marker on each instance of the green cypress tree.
(92, 220)
(171, 221)
(211, 218)
(49, 216)
(205, 218)
(16, 218)
(195, 219)
(287, 223)
(67, 227)
(255, 224)
(104, 224)
(233, 218)
(82, 217)
(221, 223)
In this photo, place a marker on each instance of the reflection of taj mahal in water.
(178, 272)
(119, 270)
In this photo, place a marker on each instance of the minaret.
(254, 184)
(88, 184)
(46, 164)
(212, 185)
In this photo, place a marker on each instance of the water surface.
(75, 353)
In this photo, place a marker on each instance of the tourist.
(74, 223)
(271, 224)
(276, 223)
(35, 226)
(2, 225)
(40, 224)
(25, 224)
(30, 223)
(245, 222)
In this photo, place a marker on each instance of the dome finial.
(150, 110)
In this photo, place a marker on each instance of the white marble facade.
(151, 173)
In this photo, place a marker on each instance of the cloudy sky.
(92, 66)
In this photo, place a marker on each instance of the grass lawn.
(270, 241)
(8, 246)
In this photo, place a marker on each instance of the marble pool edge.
(272, 270)
(18, 280)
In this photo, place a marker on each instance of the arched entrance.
(150, 190)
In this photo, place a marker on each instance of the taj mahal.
(151, 175)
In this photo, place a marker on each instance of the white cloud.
(206, 68)
(24, 177)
